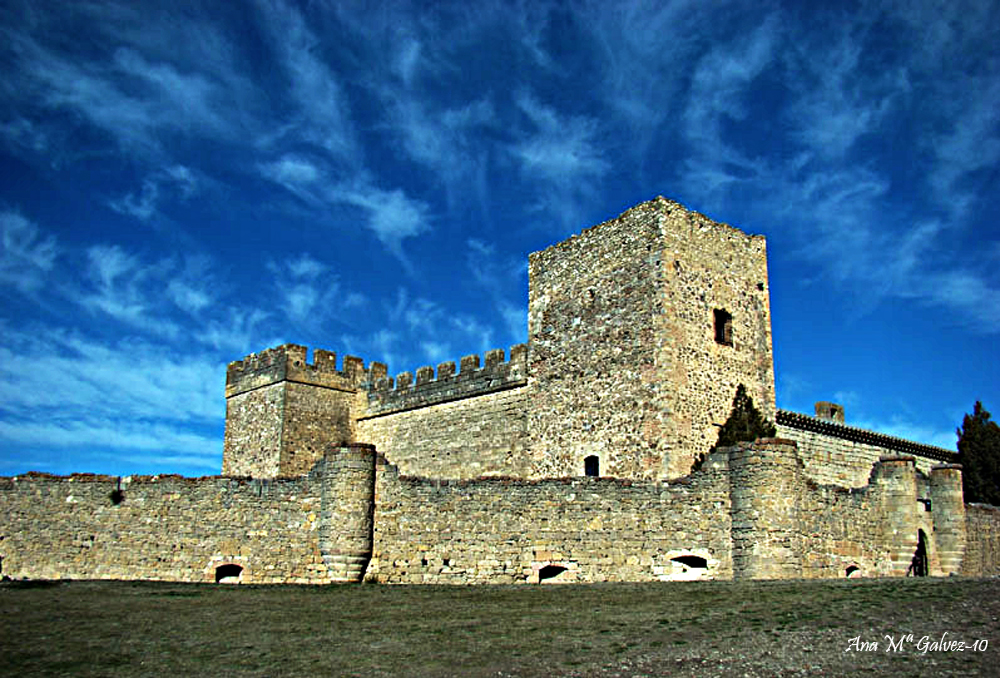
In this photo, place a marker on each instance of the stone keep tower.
(282, 413)
(640, 329)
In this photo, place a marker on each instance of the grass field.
(687, 629)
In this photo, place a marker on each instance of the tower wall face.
(315, 418)
(896, 476)
(593, 319)
(282, 412)
(628, 357)
(766, 482)
(252, 446)
(347, 511)
(949, 516)
(708, 268)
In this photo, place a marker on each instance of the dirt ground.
(888, 627)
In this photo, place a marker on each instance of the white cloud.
(67, 376)
(177, 181)
(719, 95)
(323, 115)
(141, 206)
(98, 435)
(119, 288)
(300, 176)
(503, 280)
(309, 294)
(23, 133)
(970, 144)
(391, 215)
(643, 49)
(27, 255)
(834, 107)
(564, 154)
(236, 331)
(562, 150)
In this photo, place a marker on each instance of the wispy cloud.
(156, 80)
(562, 152)
(309, 293)
(718, 100)
(640, 46)
(391, 215)
(27, 254)
(322, 113)
(503, 279)
(178, 181)
(72, 375)
(120, 287)
(833, 107)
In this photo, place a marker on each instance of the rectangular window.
(723, 327)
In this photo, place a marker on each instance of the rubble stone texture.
(640, 329)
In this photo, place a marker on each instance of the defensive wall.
(749, 512)
(568, 459)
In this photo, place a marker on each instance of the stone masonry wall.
(624, 358)
(467, 438)
(593, 303)
(253, 432)
(282, 411)
(837, 454)
(982, 545)
(842, 530)
(577, 529)
(462, 425)
(167, 528)
(707, 267)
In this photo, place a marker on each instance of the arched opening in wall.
(852, 572)
(918, 566)
(688, 566)
(228, 573)
(550, 572)
(592, 466)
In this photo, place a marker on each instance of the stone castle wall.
(593, 305)
(457, 425)
(709, 267)
(167, 528)
(750, 512)
(836, 454)
(283, 412)
(640, 331)
(581, 529)
(982, 548)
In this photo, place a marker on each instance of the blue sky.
(183, 184)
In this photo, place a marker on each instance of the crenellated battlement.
(408, 391)
(289, 362)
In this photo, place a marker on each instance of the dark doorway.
(228, 573)
(918, 566)
(691, 561)
(851, 570)
(550, 572)
(592, 466)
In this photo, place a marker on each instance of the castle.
(570, 459)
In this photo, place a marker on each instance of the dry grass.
(695, 629)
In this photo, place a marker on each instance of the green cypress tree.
(979, 455)
(745, 422)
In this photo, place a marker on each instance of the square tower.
(282, 412)
(640, 329)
